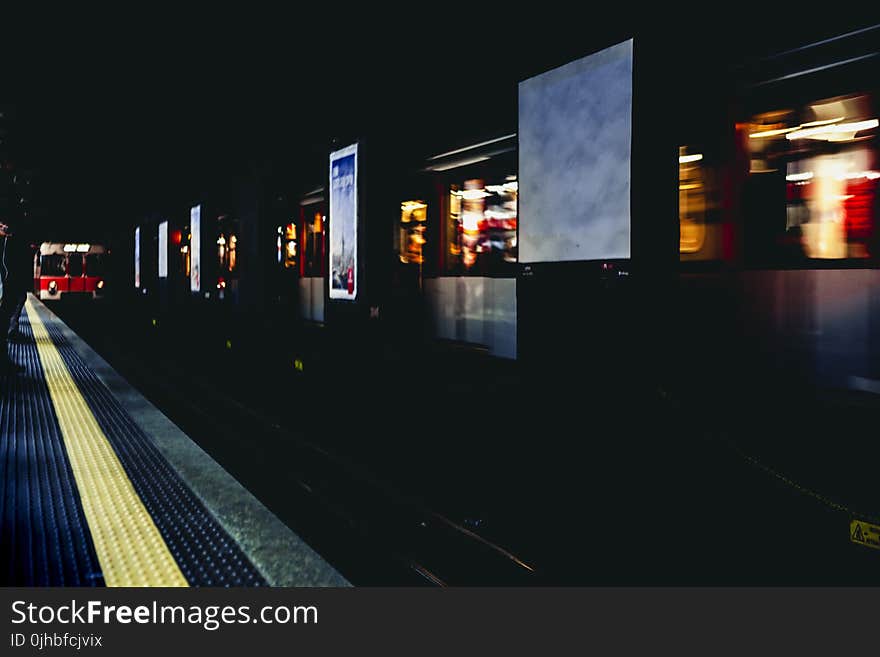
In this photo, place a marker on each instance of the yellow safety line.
(130, 548)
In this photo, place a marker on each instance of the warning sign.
(864, 533)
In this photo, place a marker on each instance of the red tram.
(65, 268)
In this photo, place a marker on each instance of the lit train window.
(411, 232)
(699, 207)
(289, 246)
(185, 238)
(813, 179)
(314, 221)
(481, 225)
(233, 253)
(691, 202)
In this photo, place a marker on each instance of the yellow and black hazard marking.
(147, 527)
(130, 548)
(864, 533)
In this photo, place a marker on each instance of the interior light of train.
(795, 177)
(823, 122)
(69, 248)
(473, 194)
(82, 248)
(684, 159)
(870, 175)
(835, 131)
(771, 133)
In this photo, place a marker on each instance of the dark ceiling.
(125, 113)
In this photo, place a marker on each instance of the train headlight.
(53, 287)
(100, 285)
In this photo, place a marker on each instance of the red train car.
(66, 268)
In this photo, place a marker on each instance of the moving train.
(752, 269)
(775, 158)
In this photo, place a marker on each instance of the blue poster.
(343, 224)
(137, 256)
(195, 229)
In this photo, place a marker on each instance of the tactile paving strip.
(130, 548)
(44, 537)
(205, 553)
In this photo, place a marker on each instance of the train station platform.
(99, 488)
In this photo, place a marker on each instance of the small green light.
(298, 365)
(229, 344)
(155, 322)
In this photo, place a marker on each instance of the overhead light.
(69, 248)
(82, 248)
(684, 159)
(810, 124)
(471, 147)
(834, 131)
(795, 177)
(457, 163)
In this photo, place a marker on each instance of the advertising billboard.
(195, 243)
(343, 224)
(137, 256)
(575, 135)
(163, 250)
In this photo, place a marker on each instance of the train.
(66, 269)
(752, 208)
(711, 230)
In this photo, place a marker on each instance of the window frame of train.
(482, 169)
(784, 92)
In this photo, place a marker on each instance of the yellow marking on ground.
(130, 548)
(864, 533)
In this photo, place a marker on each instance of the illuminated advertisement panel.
(137, 256)
(163, 250)
(575, 134)
(343, 223)
(195, 216)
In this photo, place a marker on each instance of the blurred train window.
(227, 244)
(232, 257)
(698, 206)
(95, 264)
(185, 238)
(52, 265)
(410, 244)
(287, 251)
(481, 222)
(75, 265)
(812, 184)
(313, 219)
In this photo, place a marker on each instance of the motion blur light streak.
(836, 131)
